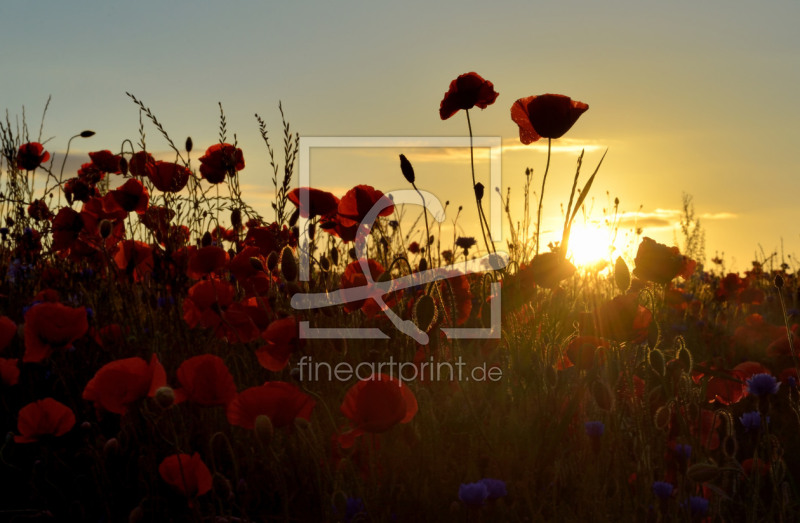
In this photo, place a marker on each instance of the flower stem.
(477, 201)
(541, 196)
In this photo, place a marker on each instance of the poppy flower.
(467, 91)
(413, 248)
(141, 163)
(131, 196)
(205, 380)
(107, 161)
(9, 371)
(219, 160)
(545, 116)
(358, 201)
(188, 474)
(282, 402)
(31, 155)
(206, 299)
(46, 417)
(281, 337)
(548, 269)
(205, 261)
(39, 211)
(157, 219)
(135, 258)
(270, 238)
(118, 384)
(657, 263)
(52, 326)
(91, 174)
(375, 405)
(584, 352)
(240, 322)
(77, 190)
(8, 329)
(354, 277)
(623, 319)
(169, 177)
(321, 203)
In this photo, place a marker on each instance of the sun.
(589, 245)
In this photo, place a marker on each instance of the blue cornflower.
(762, 384)
(495, 487)
(662, 489)
(473, 494)
(683, 452)
(698, 505)
(594, 429)
(353, 507)
(751, 420)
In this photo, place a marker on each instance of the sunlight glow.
(590, 246)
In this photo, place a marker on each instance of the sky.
(690, 97)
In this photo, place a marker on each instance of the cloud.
(663, 218)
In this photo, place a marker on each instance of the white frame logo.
(376, 290)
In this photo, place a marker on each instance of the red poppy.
(52, 326)
(116, 385)
(545, 116)
(270, 238)
(356, 203)
(584, 352)
(321, 203)
(725, 387)
(46, 417)
(141, 164)
(135, 258)
(206, 300)
(8, 329)
(282, 402)
(106, 161)
(31, 155)
(157, 219)
(413, 248)
(376, 404)
(239, 323)
(131, 196)
(205, 380)
(657, 263)
(77, 190)
(169, 177)
(242, 267)
(623, 319)
(91, 174)
(548, 269)
(467, 91)
(458, 284)
(281, 337)
(9, 371)
(221, 159)
(39, 211)
(205, 261)
(354, 277)
(186, 473)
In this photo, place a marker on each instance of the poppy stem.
(477, 201)
(541, 196)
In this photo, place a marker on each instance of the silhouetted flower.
(219, 160)
(31, 155)
(545, 116)
(467, 91)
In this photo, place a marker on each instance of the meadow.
(154, 366)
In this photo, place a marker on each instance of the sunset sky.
(687, 96)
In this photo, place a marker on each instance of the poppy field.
(155, 364)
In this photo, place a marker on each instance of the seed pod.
(622, 275)
(406, 168)
(425, 313)
(272, 261)
(324, 264)
(165, 397)
(123, 167)
(423, 265)
(87, 134)
(189, 144)
(479, 191)
(106, 227)
(288, 264)
(236, 218)
(334, 253)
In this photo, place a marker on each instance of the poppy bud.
(87, 134)
(293, 218)
(406, 168)
(423, 265)
(425, 313)
(778, 281)
(206, 240)
(256, 264)
(272, 261)
(352, 253)
(288, 264)
(335, 256)
(657, 362)
(189, 144)
(622, 275)
(111, 447)
(105, 228)
(324, 264)
(136, 515)
(264, 429)
(479, 191)
(123, 166)
(236, 218)
(165, 397)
